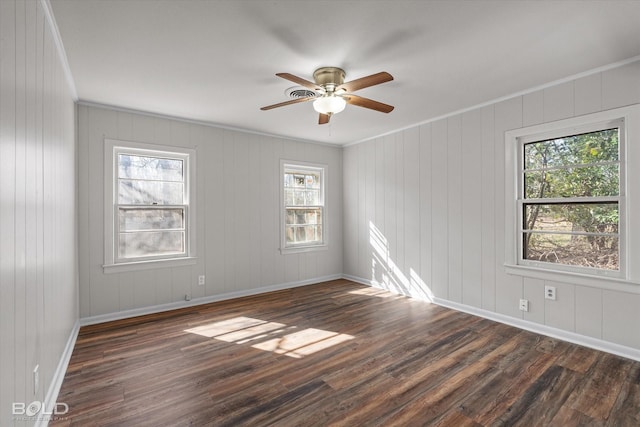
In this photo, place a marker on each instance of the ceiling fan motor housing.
(329, 77)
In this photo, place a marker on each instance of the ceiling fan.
(332, 94)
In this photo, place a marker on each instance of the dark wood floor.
(339, 353)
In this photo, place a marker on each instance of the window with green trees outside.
(570, 199)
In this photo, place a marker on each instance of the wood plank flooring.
(338, 353)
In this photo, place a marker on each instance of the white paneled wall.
(237, 214)
(38, 269)
(425, 211)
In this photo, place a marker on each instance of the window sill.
(301, 249)
(147, 265)
(593, 281)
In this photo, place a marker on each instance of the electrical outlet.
(36, 379)
(550, 292)
(201, 280)
(524, 305)
(187, 297)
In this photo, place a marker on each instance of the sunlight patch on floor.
(303, 343)
(271, 336)
(237, 329)
(373, 292)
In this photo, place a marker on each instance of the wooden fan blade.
(299, 80)
(323, 119)
(372, 80)
(368, 103)
(290, 102)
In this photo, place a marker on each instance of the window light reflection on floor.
(271, 336)
(303, 343)
(373, 292)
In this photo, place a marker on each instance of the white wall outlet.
(187, 297)
(550, 292)
(36, 379)
(524, 305)
(201, 280)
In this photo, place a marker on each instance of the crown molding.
(607, 67)
(62, 54)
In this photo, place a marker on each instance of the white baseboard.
(102, 318)
(58, 376)
(572, 337)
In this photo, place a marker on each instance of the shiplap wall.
(425, 209)
(38, 269)
(237, 214)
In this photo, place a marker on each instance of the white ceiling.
(216, 60)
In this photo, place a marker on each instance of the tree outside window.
(570, 206)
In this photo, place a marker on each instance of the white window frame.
(576, 130)
(628, 199)
(303, 166)
(114, 264)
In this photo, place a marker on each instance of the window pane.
(592, 181)
(290, 234)
(288, 180)
(302, 180)
(600, 146)
(312, 181)
(311, 233)
(151, 243)
(587, 217)
(300, 217)
(303, 234)
(583, 251)
(150, 192)
(152, 168)
(298, 180)
(298, 198)
(300, 234)
(151, 219)
(288, 197)
(290, 217)
(303, 216)
(314, 216)
(303, 200)
(312, 197)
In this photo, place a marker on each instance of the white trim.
(506, 97)
(574, 278)
(201, 122)
(188, 155)
(629, 272)
(572, 337)
(58, 376)
(109, 317)
(568, 167)
(62, 54)
(359, 280)
(324, 172)
(148, 264)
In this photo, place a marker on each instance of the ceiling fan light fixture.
(329, 104)
(330, 94)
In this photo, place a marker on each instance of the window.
(149, 202)
(569, 198)
(303, 201)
